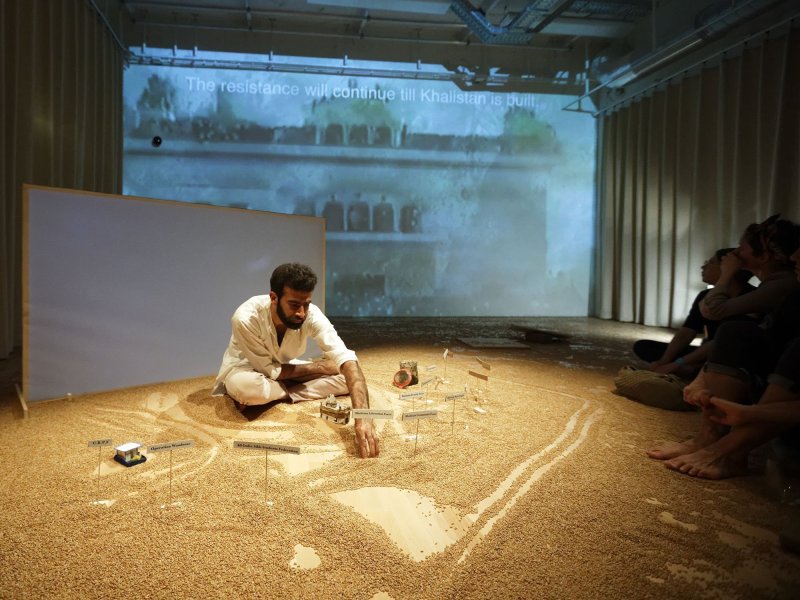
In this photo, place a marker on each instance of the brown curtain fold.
(61, 124)
(683, 171)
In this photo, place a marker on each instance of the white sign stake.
(416, 416)
(266, 447)
(170, 446)
(454, 397)
(99, 444)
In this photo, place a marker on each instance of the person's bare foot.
(672, 449)
(707, 463)
(696, 391)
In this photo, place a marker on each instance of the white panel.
(123, 291)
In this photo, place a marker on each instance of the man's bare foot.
(707, 463)
(673, 449)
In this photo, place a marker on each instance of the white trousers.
(252, 388)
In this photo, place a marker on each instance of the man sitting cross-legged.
(270, 332)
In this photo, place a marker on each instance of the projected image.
(438, 201)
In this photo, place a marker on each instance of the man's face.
(291, 307)
(710, 270)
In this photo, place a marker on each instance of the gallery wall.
(122, 291)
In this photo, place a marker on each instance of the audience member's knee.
(740, 345)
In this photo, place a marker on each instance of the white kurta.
(254, 341)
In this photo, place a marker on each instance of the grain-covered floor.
(534, 485)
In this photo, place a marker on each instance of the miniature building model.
(129, 454)
(331, 409)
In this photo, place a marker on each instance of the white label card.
(371, 413)
(446, 352)
(456, 396)
(427, 381)
(266, 446)
(170, 446)
(98, 443)
(430, 368)
(406, 395)
(420, 414)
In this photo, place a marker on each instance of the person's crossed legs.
(251, 388)
(705, 385)
(727, 455)
(740, 350)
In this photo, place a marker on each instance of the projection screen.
(438, 200)
(122, 291)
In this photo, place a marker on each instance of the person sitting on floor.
(764, 249)
(270, 332)
(744, 357)
(679, 356)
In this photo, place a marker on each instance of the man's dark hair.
(294, 275)
(723, 252)
(779, 236)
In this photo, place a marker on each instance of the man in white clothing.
(270, 332)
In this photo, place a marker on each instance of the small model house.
(331, 409)
(129, 454)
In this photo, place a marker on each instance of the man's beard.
(285, 319)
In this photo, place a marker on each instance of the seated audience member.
(679, 356)
(764, 249)
(748, 362)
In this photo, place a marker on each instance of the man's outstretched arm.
(305, 370)
(366, 440)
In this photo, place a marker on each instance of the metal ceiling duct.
(716, 19)
(488, 33)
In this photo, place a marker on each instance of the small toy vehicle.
(331, 409)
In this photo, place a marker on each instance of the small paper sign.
(407, 395)
(371, 413)
(266, 446)
(420, 414)
(427, 381)
(446, 352)
(484, 364)
(99, 443)
(455, 396)
(430, 368)
(170, 446)
(479, 375)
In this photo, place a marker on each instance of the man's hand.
(726, 412)
(366, 440)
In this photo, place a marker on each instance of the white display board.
(122, 291)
